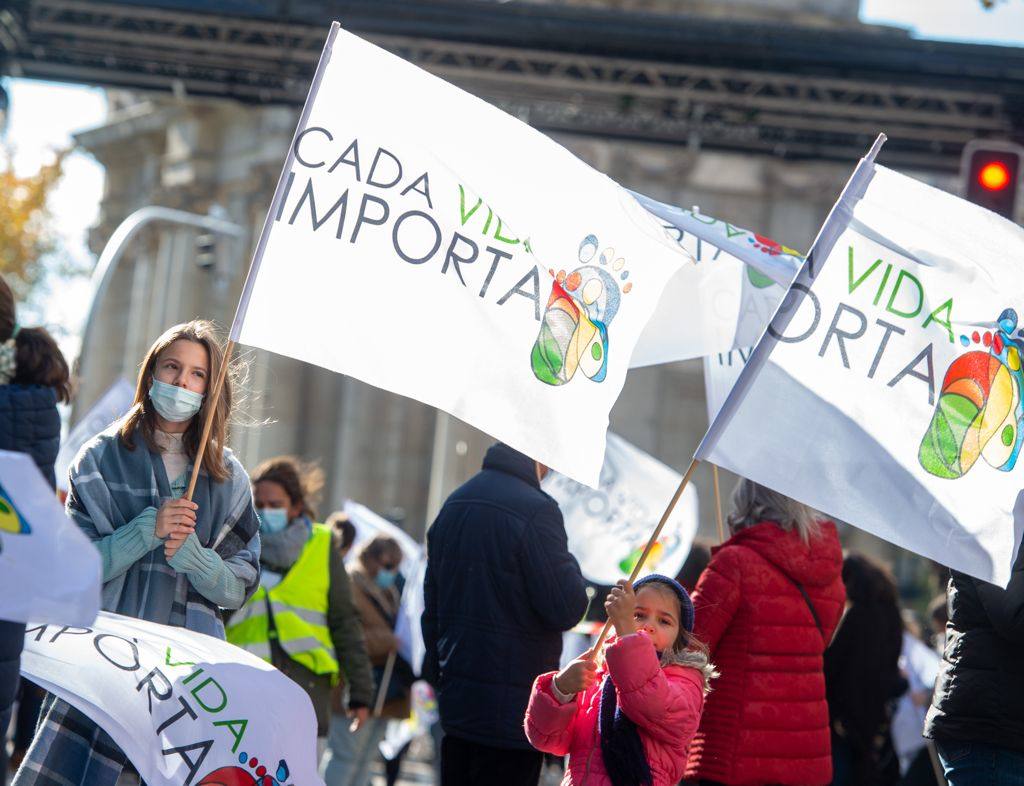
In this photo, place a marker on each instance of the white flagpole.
(254, 266)
(275, 203)
(836, 222)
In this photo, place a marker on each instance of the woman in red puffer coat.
(767, 605)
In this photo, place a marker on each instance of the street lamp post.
(109, 259)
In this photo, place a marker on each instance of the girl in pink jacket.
(629, 721)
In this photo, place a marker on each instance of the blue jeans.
(979, 764)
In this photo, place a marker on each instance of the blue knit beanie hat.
(685, 604)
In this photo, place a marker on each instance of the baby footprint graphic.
(583, 303)
(980, 412)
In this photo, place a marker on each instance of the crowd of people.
(771, 658)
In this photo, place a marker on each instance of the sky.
(44, 115)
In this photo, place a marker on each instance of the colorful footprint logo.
(574, 330)
(980, 412)
(11, 521)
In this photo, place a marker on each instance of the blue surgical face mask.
(272, 519)
(386, 578)
(174, 404)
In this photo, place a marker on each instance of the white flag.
(49, 570)
(369, 524)
(887, 391)
(184, 707)
(609, 527)
(721, 371)
(725, 300)
(408, 630)
(428, 243)
(112, 405)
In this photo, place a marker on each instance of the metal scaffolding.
(775, 105)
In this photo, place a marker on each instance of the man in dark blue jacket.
(501, 587)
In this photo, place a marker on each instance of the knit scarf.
(621, 746)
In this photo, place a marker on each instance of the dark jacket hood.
(501, 458)
(814, 564)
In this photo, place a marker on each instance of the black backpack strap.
(807, 600)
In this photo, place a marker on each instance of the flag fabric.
(725, 300)
(768, 258)
(407, 626)
(184, 707)
(721, 371)
(608, 527)
(429, 244)
(887, 390)
(113, 404)
(49, 570)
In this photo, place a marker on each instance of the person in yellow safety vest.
(302, 618)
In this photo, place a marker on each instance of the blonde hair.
(754, 503)
(142, 415)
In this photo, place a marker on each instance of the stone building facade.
(393, 454)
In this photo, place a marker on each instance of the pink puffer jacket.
(664, 703)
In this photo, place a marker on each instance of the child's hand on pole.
(578, 675)
(621, 608)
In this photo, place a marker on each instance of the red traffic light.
(990, 172)
(995, 176)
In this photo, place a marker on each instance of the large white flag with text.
(184, 707)
(609, 526)
(426, 242)
(887, 390)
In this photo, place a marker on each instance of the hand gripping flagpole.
(257, 257)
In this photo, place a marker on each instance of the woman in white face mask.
(165, 559)
(313, 634)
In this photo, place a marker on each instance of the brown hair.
(301, 481)
(687, 649)
(142, 415)
(378, 546)
(340, 522)
(37, 358)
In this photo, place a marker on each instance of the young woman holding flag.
(166, 559)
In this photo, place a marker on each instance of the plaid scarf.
(110, 485)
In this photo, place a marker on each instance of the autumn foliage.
(26, 237)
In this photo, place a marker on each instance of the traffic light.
(991, 174)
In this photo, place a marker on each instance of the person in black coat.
(862, 677)
(977, 712)
(33, 378)
(500, 588)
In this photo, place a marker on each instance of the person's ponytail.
(39, 361)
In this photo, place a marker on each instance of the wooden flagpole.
(257, 257)
(718, 504)
(211, 410)
(647, 549)
(385, 682)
